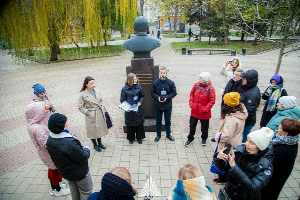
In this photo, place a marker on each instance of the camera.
(52, 109)
(162, 98)
(230, 61)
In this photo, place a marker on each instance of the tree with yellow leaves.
(26, 25)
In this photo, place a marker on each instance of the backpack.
(207, 89)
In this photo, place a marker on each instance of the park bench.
(233, 52)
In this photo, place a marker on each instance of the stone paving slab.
(24, 176)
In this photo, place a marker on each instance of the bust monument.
(141, 45)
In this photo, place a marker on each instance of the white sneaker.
(52, 192)
(63, 192)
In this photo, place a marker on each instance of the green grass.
(78, 53)
(233, 45)
(239, 33)
(119, 38)
(179, 35)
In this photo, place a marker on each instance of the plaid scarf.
(192, 189)
(272, 100)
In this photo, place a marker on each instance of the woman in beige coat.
(91, 105)
(233, 116)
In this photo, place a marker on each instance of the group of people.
(261, 161)
(258, 162)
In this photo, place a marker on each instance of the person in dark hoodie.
(249, 168)
(70, 157)
(251, 99)
(272, 95)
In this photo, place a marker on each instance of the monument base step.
(149, 125)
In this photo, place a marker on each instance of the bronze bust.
(141, 45)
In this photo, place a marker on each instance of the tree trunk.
(170, 31)
(281, 53)
(224, 24)
(175, 21)
(255, 42)
(243, 33)
(142, 7)
(54, 52)
(209, 39)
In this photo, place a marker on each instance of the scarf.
(283, 139)
(192, 189)
(272, 100)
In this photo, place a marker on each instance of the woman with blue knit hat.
(271, 95)
(37, 113)
(248, 168)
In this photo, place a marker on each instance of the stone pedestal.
(146, 72)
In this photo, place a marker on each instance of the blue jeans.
(158, 117)
(247, 130)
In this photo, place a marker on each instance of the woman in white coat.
(91, 105)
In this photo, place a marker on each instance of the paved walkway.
(24, 176)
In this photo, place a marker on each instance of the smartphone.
(228, 145)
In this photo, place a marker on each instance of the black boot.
(96, 147)
(100, 144)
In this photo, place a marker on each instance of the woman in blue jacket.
(249, 167)
(286, 108)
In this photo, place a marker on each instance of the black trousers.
(204, 128)
(137, 132)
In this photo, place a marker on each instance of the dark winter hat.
(38, 89)
(56, 123)
(115, 188)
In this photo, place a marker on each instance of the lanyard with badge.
(134, 96)
(163, 92)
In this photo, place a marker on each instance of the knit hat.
(276, 77)
(38, 89)
(262, 137)
(232, 99)
(205, 76)
(56, 123)
(288, 102)
(115, 188)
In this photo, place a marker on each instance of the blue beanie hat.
(115, 188)
(38, 89)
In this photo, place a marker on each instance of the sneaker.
(217, 181)
(213, 139)
(188, 143)
(62, 186)
(63, 192)
(170, 137)
(157, 138)
(203, 142)
(140, 141)
(130, 141)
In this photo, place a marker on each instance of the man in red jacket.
(202, 99)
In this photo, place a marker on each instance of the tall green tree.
(172, 8)
(38, 24)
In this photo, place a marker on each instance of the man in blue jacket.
(163, 91)
(70, 157)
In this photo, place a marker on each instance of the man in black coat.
(251, 99)
(163, 91)
(69, 156)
